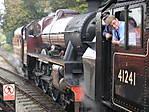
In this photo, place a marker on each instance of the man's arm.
(107, 33)
(114, 38)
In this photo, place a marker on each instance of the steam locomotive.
(67, 56)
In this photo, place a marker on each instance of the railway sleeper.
(31, 106)
(34, 108)
(21, 97)
(28, 103)
(23, 100)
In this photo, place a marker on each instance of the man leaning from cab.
(118, 29)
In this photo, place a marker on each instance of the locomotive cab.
(128, 62)
(124, 66)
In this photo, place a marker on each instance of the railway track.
(29, 98)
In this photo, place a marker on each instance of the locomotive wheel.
(44, 86)
(54, 93)
(62, 101)
(37, 81)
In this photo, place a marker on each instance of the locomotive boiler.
(68, 57)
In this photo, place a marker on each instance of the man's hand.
(108, 36)
(115, 42)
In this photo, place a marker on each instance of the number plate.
(125, 77)
(128, 83)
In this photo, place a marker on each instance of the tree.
(21, 12)
(78, 5)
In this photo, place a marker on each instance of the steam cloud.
(13, 59)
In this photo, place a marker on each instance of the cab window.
(134, 27)
(34, 29)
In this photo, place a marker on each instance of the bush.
(2, 37)
(7, 47)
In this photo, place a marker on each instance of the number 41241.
(126, 77)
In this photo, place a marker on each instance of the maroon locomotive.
(51, 50)
(67, 56)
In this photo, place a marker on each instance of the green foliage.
(82, 8)
(2, 37)
(78, 5)
(21, 12)
(15, 15)
(3, 44)
(9, 35)
(7, 47)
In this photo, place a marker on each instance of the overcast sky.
(1, 5)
